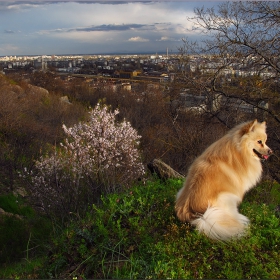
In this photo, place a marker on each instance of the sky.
(91, 27)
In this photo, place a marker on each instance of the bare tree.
(239, 60)
(237, 64)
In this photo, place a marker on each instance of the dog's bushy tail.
(221, 225)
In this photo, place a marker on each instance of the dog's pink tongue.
(265, 156)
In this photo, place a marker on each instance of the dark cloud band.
(112, 27)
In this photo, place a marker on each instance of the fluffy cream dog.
(218, 179)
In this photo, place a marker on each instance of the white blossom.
(101, 152)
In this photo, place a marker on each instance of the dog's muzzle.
(262, 156)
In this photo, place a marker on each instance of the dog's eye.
(260, 141)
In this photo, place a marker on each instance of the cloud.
(110, 27)
(24, 4)
(138, 39)
(17, 5)
(63, 26)
(9, 31)
(165, 38)
(8, 47)
(100, 28)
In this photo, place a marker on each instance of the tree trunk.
(163, 171)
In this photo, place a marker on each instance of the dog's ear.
(248, 127)
(263, 124)
(252, 125)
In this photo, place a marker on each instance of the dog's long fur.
(218, 179)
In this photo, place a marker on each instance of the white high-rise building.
(44, 64)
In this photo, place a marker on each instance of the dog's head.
(256, 137)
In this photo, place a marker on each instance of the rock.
(163, 170)
(37, 90)
(20, 191)
(64, 99)
(7, 214)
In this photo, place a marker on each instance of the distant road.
(141, 79)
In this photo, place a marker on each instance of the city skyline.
(88, 27)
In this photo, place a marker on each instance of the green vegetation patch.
(15, 205)
(137, 235)
(23, 233)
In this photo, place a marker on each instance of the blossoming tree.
(98, 156)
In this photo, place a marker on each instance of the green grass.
(24, 269)
(136, 235)
(22, 235)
